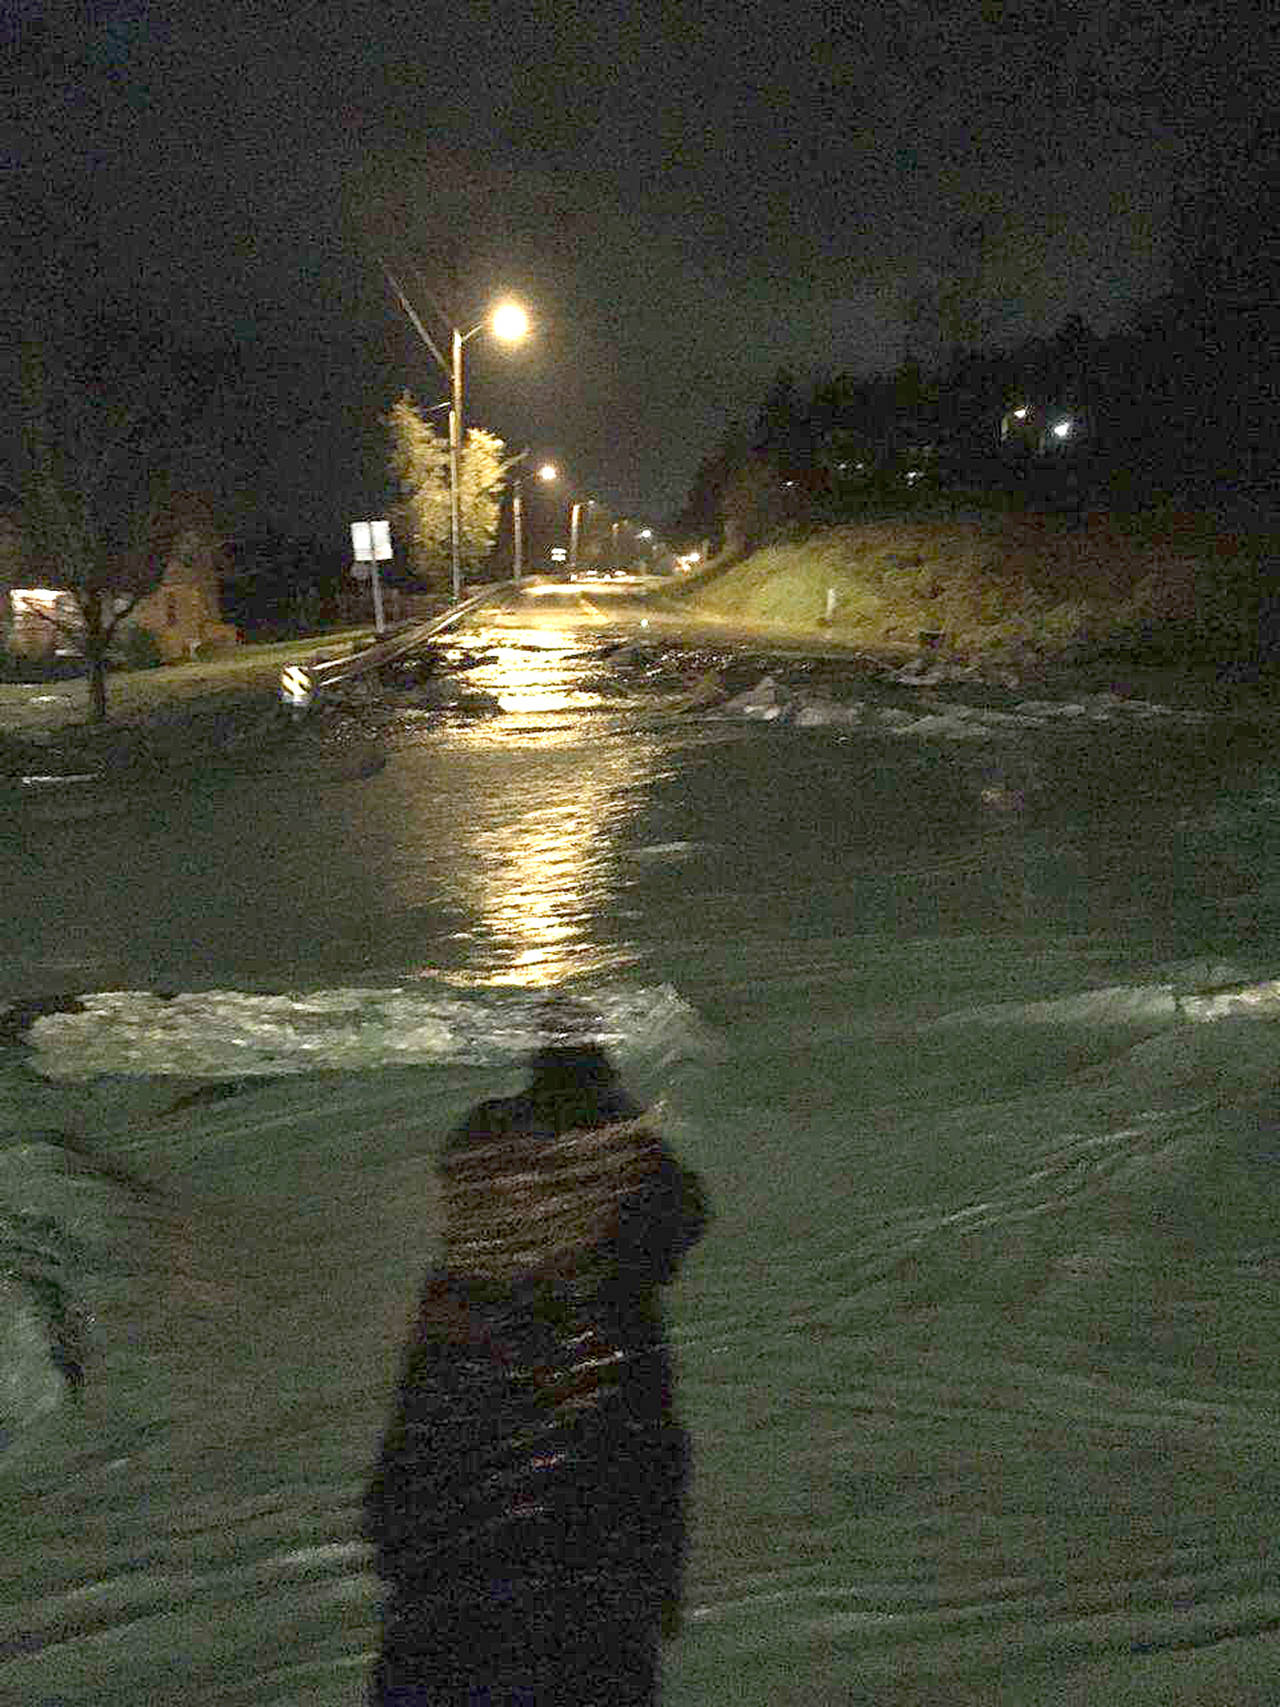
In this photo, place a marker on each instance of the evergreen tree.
(420, 465)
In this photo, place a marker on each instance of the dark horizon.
(685, 208)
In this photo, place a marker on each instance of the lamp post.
(575, 519)
(547, 472)
(507, 321)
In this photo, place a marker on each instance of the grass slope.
(1009, 582)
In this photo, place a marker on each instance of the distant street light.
(546, 473)
(507, 321)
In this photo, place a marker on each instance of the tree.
(700, 520)
(783, 427)
(420, 466)
(93, 512)
(753, 504)
(482, 470)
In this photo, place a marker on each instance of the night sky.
(687, 197)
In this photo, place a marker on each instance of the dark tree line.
(1182, 403)
(279, 585)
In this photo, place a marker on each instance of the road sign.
(371, 541)
(371, 545)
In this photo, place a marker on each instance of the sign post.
(371, 544)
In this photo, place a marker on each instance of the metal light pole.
(546, 473)
(508, 322)
(575, 518)
(517, 527)
(517, 513)
(455, 469)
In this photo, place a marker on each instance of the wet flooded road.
(974, 1040)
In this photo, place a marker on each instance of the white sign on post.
(371, 544)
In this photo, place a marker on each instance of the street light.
(507, 321)
(546, 473)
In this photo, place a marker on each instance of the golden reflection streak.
(539, 872)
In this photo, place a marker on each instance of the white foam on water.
(235, 1033)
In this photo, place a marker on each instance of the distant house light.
(38, 599)
(1020, 413)
(1062, 429)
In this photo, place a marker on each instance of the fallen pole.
(302, 684)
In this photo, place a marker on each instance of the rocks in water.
(17, 1018)
(977, 709)
(767, 701)
(813, 713)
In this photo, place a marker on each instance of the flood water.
(974, 1041)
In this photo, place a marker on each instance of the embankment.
(1169, 584)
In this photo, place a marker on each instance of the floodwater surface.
(968, 1022)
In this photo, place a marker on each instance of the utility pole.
(455, 470)
(575, 520)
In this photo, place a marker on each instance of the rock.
(18, 1017)
(767, 701)
(818, 712)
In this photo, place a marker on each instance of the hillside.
(1170, 583)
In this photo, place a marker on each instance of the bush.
(135, 648)
(18, 667)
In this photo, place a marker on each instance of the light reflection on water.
(980, 1354)
(539, 860)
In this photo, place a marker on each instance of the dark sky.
(686, 196)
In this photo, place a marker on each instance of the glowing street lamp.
(508, 322)
(546, 473)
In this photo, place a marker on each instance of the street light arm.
(512, 461)
(412, 312)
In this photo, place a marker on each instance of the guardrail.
(302, 684)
